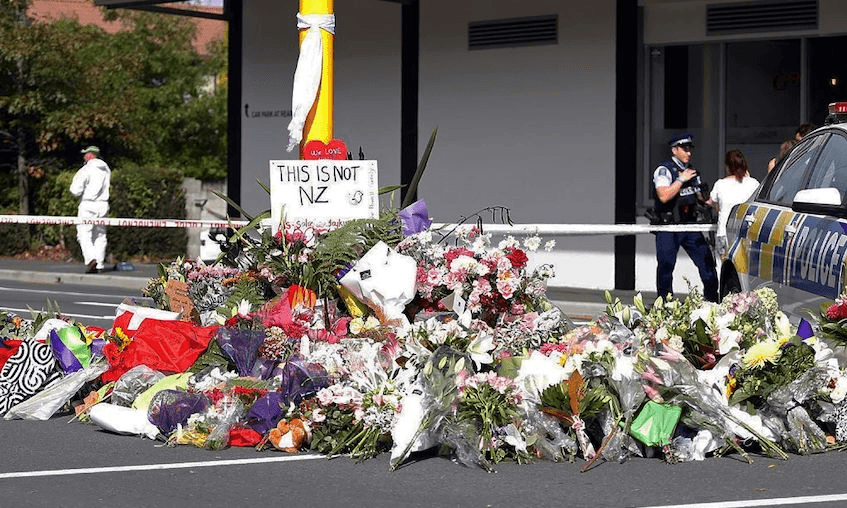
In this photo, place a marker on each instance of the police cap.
(682, 140)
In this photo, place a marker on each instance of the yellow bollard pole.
(319, 123)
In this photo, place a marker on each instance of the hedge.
(147, 193)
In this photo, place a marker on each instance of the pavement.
(580, 304)
(58, 272)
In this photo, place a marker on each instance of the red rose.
(837, 311)
(518, 258)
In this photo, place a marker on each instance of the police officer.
(676, 188)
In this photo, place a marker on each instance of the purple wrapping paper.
(265, 413)
(67, 361)
(170, 408)
(242, 346)
(415, 218)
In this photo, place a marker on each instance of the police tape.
(527, 229)
(120, 222)
(587, 229)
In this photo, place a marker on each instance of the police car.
(792, 233)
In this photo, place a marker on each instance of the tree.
(139, 94)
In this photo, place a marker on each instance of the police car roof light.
(837, 112)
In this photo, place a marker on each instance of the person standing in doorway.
(676, 190)
(91, 185)
(735, 188)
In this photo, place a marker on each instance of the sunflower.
(762, 352)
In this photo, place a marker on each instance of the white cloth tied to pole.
(307, 77)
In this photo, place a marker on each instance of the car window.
(831, 168)
(794, 174)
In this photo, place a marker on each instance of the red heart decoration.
(317, 149)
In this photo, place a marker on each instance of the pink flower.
(318, 415)
(653, 394)
(670, 354)
(650, 375)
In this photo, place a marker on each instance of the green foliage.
(147, 193)
(756, 383)
(142, 94)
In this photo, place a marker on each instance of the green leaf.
(413, 186)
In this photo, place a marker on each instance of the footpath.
(58, 272)
(578, 303)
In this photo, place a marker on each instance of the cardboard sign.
(323, 190)
(178, 299)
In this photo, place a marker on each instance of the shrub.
(147, 193)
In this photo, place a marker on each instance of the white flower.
(661, 334)
(509, 241)
(532, 243)
(675, 341)
(705, 312)
(244, 307)
(728, 340)
(782, 326)
(514, 438)
(479, 349)
(549, 245)
(840, 391)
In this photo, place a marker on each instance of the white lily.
(479, 349)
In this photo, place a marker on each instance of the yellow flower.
(730, 385)
(356, 326)
(758, 354)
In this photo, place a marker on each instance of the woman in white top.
(729, 191)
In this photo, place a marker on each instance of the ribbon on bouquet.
(585, 445)
(307, 77)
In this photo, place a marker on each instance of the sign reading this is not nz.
(323, 190)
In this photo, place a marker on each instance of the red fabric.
(166, 346)
(243, 436)
(122, 322)
(98, 332)
(7, 349)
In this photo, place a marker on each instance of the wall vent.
(762, 16)
(507, 33)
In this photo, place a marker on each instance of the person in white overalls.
(91, 185)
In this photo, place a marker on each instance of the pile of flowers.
(360, 340)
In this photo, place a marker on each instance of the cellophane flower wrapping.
(45, 403)
(133, 383)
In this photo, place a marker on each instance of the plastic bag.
(655, 423)
(383, 279)
(122, 420)
(45, 403)
(134, 382)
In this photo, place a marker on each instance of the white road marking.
(99, 304)
(760, 502)
(157, 467)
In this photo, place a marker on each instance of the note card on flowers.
(323, 190)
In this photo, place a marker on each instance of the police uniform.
(681, 209)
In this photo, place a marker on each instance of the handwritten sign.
(178, 299)
(323, 190)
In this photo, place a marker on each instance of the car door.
(766, 225)
(817, 252)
